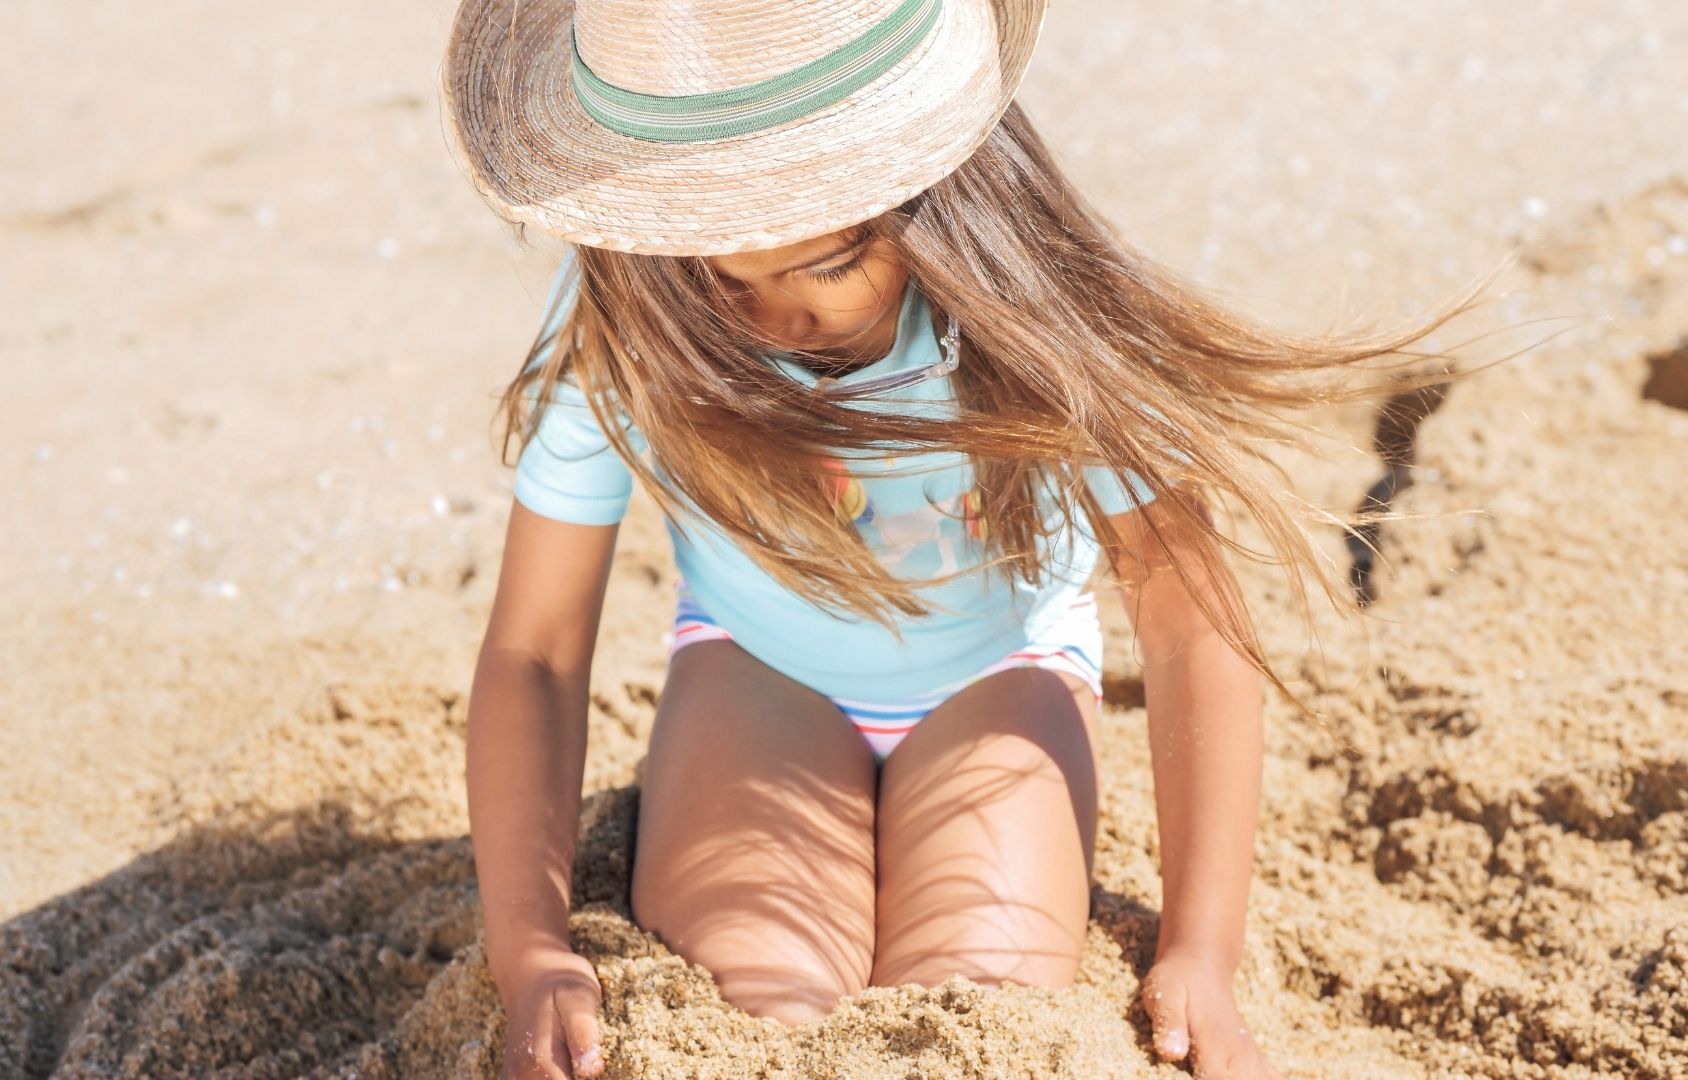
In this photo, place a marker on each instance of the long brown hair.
(1076, 350)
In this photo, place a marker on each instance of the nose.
(782, 319)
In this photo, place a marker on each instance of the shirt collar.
(916, 345)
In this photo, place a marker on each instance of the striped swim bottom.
(1071, 644)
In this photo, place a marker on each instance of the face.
(837, 295)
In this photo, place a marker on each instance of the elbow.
(1167, 619)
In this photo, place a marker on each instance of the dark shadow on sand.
(291, 945)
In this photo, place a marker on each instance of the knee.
(989, 953)
(792, 986)
(982, 967)
(791, 996)
(760, 967)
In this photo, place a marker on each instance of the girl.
(897, 390)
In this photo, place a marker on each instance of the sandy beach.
(256, 327)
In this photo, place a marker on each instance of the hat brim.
(539, 158)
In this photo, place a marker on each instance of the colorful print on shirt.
(926, 539)
(848, 497)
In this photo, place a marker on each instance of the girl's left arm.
(1206, 743)
(1205, 706)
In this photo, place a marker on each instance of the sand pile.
(235, 838)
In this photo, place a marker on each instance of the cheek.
(864, 299)
(851, 304)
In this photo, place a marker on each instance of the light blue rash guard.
(913, 524)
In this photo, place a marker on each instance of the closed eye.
(834, 273)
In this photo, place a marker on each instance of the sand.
(255, 324)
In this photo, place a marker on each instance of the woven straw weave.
(537, 157)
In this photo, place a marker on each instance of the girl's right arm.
(526, 758)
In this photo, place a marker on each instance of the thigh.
(986, 829)
(754, 855)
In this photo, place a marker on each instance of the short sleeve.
(568, 471)
(1116, 497)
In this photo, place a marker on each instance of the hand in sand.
(553, 1023)
(1188, 999)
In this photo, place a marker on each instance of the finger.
(1166, 1004)
(1231, 1055)
(1251, 1061)
(528, 1055)
(1209, 1062)
(577, 1030)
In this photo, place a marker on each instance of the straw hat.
(676, 127)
